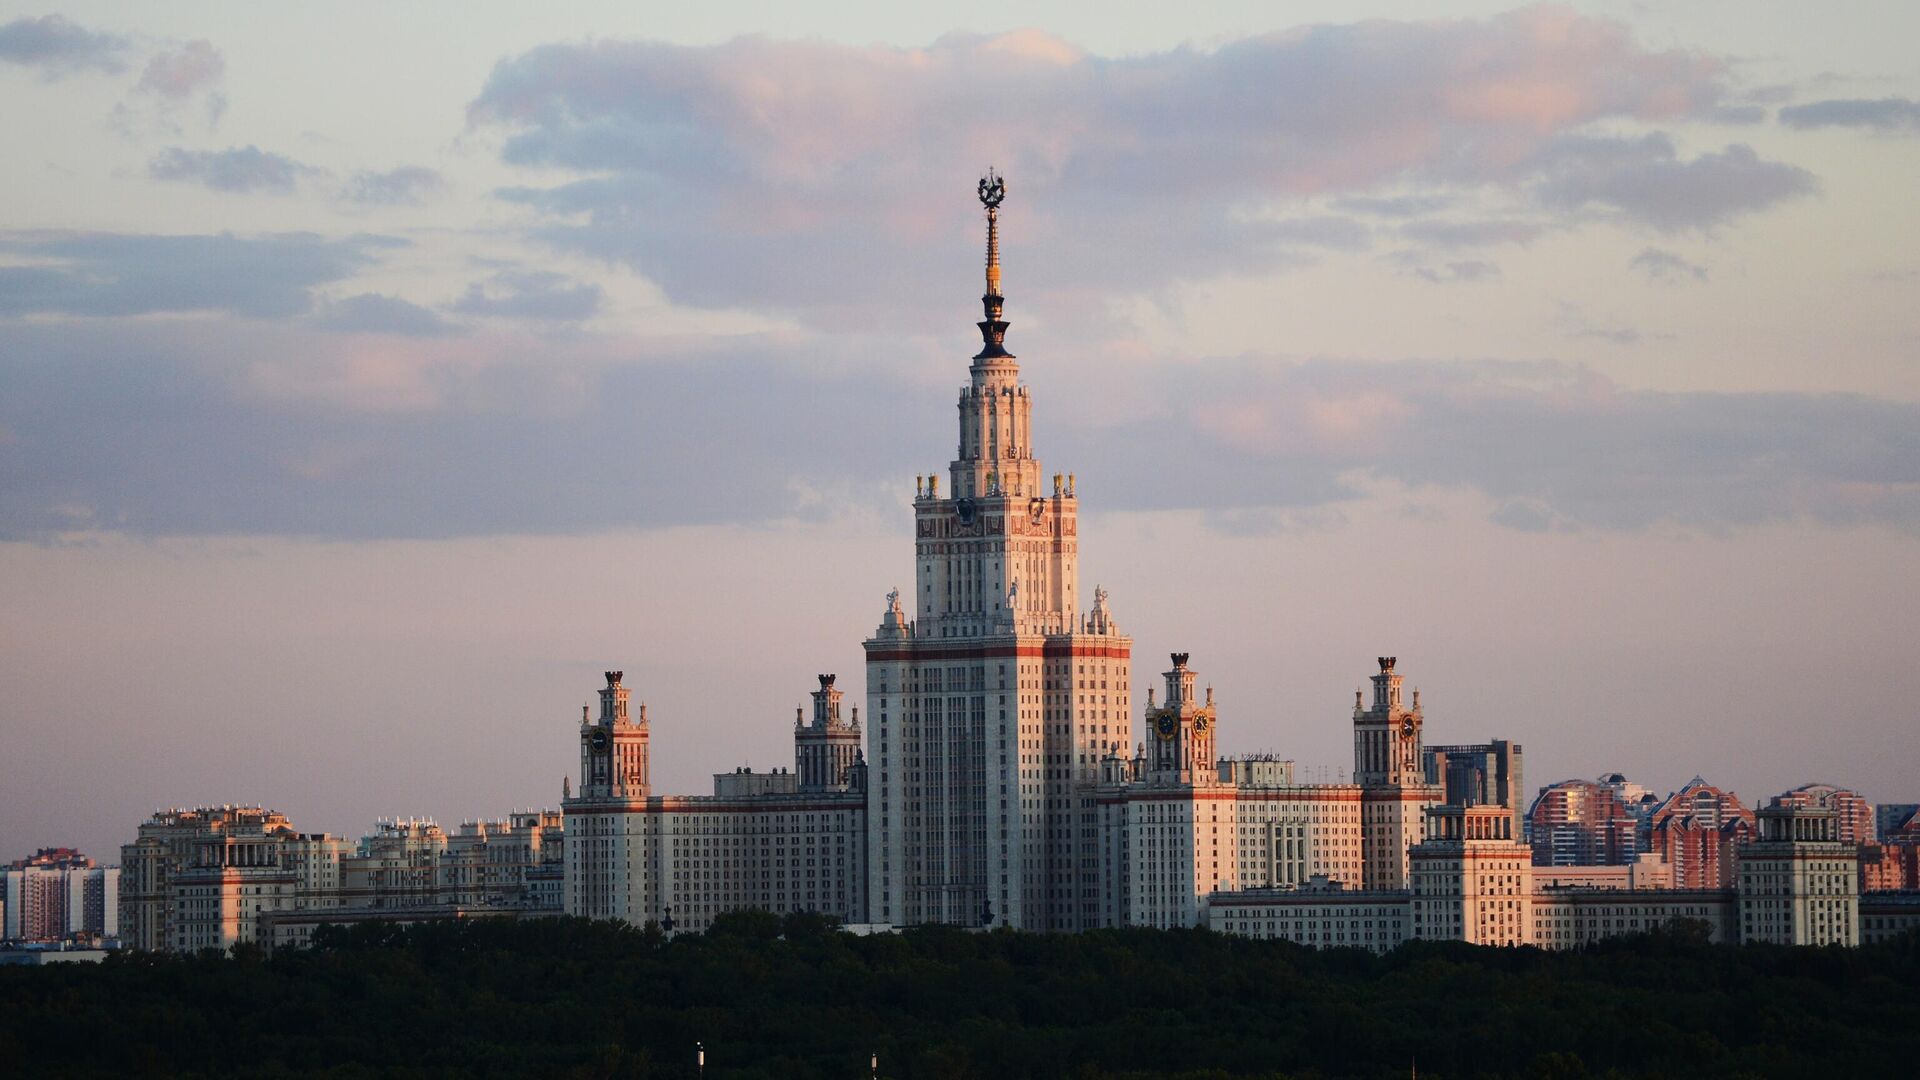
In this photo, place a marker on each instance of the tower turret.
(613, 748)
(1386, 736)
(825, 750)
(1183, 730)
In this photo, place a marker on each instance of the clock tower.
(1386, 737)
(613, 749)
(1394, 794)
(1182, 731)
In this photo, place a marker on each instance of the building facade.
(784, 841)
(217, 877)
(1698, 830)
(1582, 823)
(1480, 774)
(992, 693)
(59, 895)
(1321, 916)
(1853, 815)
(1799, 882)
(1472, 880)
(1388, 767)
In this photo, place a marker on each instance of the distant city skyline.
(368, 384)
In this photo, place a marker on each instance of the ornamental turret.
(825, 749)
(1183, 731)
(613, 748)
(1386, 735)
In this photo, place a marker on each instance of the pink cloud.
(735, 174)
(180, 74)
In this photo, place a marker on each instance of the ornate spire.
(993, 330)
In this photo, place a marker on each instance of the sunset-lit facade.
(784, 841)
(216, 877)
(1002, 782)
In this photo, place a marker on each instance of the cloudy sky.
(371, 378)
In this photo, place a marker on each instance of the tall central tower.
(991, 695)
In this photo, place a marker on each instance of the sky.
(373, 377)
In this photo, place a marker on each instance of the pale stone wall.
(1567, 918)
(1799, 884)
(1318, 918)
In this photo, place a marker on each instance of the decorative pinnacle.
(993, 330)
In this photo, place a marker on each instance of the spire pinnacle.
(993, 330)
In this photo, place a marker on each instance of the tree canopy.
(791, 997)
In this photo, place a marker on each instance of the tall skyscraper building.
(992, 694)
(57, 894)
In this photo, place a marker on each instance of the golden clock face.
(1200, 723)
(1166, 726)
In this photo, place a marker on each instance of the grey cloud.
(1523, 515)
(56, 45)
(1738, 115)
(408, 185)
(1393, 206)
(1662, 265)
(372, 313)
(1548, 443)
(243, 169)
(1421, 264)
(525, 294)
(112, 274)
(1338, 233)
(160, 434)
(1617, 335)
(737, 174)
(1892, 115)
(1455, 234)
(165, 429)
(1645, 180)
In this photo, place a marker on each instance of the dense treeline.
(794, 998)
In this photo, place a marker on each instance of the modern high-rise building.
(1582, 823)
(1697, 830)
(1853, 815)
(58, 894)
(1480, 774)
(1892, 818)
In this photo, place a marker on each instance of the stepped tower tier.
(992, 694)
(613, 748)
(1182, 731)
(825, 749)
(1387, 767)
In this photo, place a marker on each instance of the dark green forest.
(772, 997)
